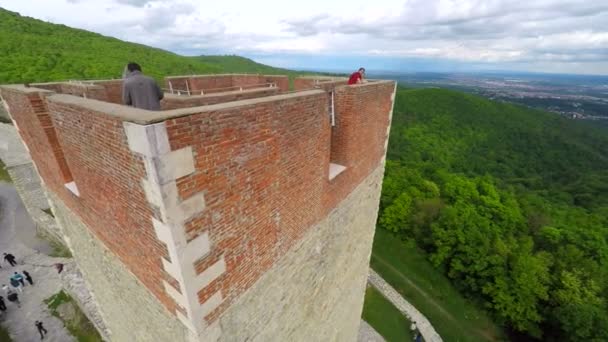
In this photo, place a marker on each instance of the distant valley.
(573, 96)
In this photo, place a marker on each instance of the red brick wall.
(184, 101)
(303, 83)
(263, 169)
(113, 90)
(212, 82)
(30, 112)
(198, 83)
(112, 202)
(357, 139)
(282, 82)
(56, 87)
(264, 172)
(84, 90)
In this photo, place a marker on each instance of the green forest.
(510, 203)
(36, 51)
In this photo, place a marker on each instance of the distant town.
(577, 97)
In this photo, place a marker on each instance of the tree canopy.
(511, 203)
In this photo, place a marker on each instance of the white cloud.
(569, 33)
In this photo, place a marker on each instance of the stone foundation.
(130, 312)
(321, 279)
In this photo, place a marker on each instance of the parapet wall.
(172, 101)
(318, 82)
(199, 203)
(217, 83)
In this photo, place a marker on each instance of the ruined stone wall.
(315, 292)
(129, 310)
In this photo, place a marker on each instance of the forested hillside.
(510, 203)
(35, 51)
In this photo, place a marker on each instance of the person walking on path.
(2, 304)
(16, 284)
(19, 278)
(140, 91)
(28, 277)
(41, 329)
(10, 259)
(13, 297)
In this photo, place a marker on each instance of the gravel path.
(424, 326)
(368, 334)
(14, 226)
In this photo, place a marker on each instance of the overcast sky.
(568, 36)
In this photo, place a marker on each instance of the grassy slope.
(4, 177)
(385, 317)
(79, 325)
(4, 335)
(406, 269)
(33, 50)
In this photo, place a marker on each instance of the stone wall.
(172, 101)
(27, 182)
(130, 311)
(321, 279)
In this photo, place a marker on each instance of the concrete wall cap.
(23, 88)
(185, 97)
(145, 117)
(215, 75)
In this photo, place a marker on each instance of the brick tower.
(241, 211)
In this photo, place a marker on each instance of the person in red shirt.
(357, 76)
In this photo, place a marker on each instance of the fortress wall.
(314, 292)
(184, 101)
(200, 204)
(109, 198)
(29, 111)
(89, 91)
(264, 170)
(103, 90)
(282, 82)
(129, 310)
(214, 82)
(325, 83)
(113, 90)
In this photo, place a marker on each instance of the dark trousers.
(22, 282)
(29, 280)
(40, 330)
(2, 306)
(12, 262)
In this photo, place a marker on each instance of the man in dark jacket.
(140, 91)
(10, 259)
